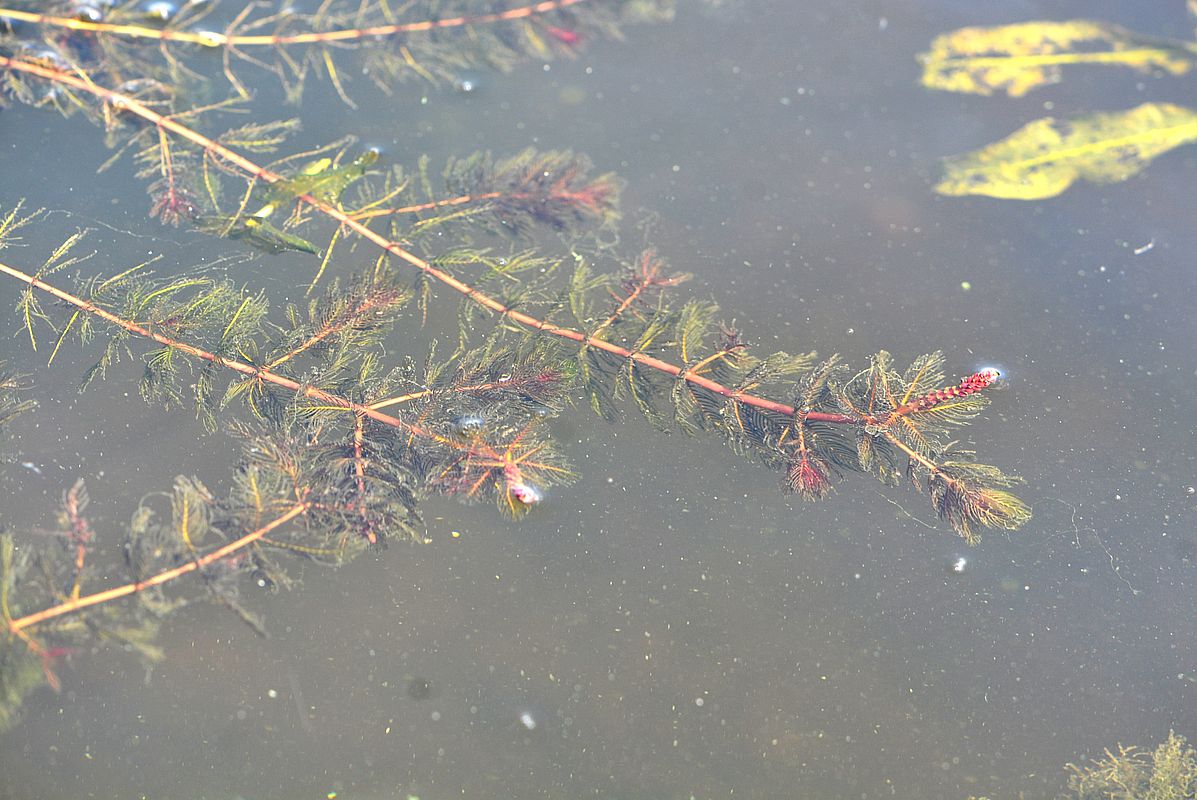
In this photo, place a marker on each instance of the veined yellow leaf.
(1044, 157)
(1018, 58)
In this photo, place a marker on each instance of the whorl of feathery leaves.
(1167, 772)
(332, 346)
(886, 400)
(210, 313)
(308, 372)
(530, 191)
(12, 404)
(868, 422)
(20, 674)
(433, 41)
(534, 189)
(20, 670)
(346, 439)
(183, 526)
(319, 465)
(967, 494)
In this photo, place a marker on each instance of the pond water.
(672, 625)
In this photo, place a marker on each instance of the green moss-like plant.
(1168, 773)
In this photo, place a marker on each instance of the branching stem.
(407, 398)
(217, 39)
(218, 150)
(333, 327)
(78, 603)
(461, 200)
(914, 455)
(332, 400)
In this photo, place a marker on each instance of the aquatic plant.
(340, 439)
(1047, 155)
(1167, 773)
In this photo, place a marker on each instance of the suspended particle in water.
(262, 580)
(540, 410)
(958, 565)
(86, 12)
(159, 11)
(527, 721)
(466, 83)
(419, 688)
(467, 423)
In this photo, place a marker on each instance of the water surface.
(673, 625)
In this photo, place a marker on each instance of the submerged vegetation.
(1167, 773)
(341, 439)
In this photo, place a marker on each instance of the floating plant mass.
(341, 439)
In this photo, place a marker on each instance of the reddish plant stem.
(359, 471)
(105, 596)
(641, 285)
(572, 197)
(336, 326)
(215, 39)
(237, 366)
(404, 398)
(454, 201)
(218, 150)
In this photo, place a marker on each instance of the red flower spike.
(970, 385)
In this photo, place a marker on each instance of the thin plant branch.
(75, 604)
(217, 39)
(217, 150)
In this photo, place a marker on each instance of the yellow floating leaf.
(1044, 157)
(1018, 58)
